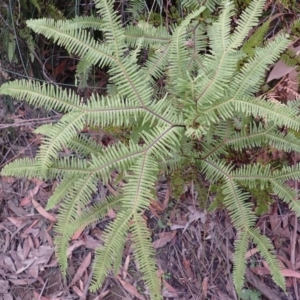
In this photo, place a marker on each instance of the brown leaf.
(37, 296)
(168, 290)
(78, 292)
(43, 212)
(83, 266)
(130, 289)
(251, 252)
(260, 271)
(290, 273)
(187, 268)
(165, 238)
(205, 286)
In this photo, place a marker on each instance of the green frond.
(253, 176)
(140, 187)
(111, 25)
(82, 22)
(215, 170)
(219, 32)
(296, 27)
(131, 80)
(43, 95)
(249, 136)
(256, 39)
(178, 57)
(277, 113)
(248, 19)
(114, 240)
(116, 111)
(144, 255)
(75, 200)
(152, 36)
(79, 42)
(60, 133)
(60, 192)
(287, 194)
(285, 142)
(24, 167)
(161, 140)
(69, 166)
(239, 262)
(156, 64)
(266, 249)
(212, 85)
(192, 4)
(116, 157)
(84, 145)
(288, 172)
(251, 74)
(237, 202)
(291, 58)
(96, 212)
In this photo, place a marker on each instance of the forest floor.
(193, 247)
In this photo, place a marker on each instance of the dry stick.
(255, 281)
(86, 288)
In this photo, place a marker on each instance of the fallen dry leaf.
(78, 292)
(130, 289)
(83, 266)
(187, 268)
(205, 287)
(164, 238)
(37, 296)
(43, 212)
(251, 252)
(290, 273)
(168, 290)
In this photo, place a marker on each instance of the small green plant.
(204, 108)
(248, 294)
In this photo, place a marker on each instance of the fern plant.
(206, 108)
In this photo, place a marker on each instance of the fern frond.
(116, 111)
(266, 249)
(248, 19)
(144, 255)
(84, 145)
(253, 176)
(287, 194)
(239, 261)
(77, 42)
(152, 36)
(277, 113)
(219, 32)
(25, 167)
(60, 192)
(106, 256)
(111, 26)
(140, 187)
(82, 22)
(236, 201)
(178, 57)
(96, 212)
(59, 135)
(250, 76)
(256, 39)
(43, 95)
(76, 199)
